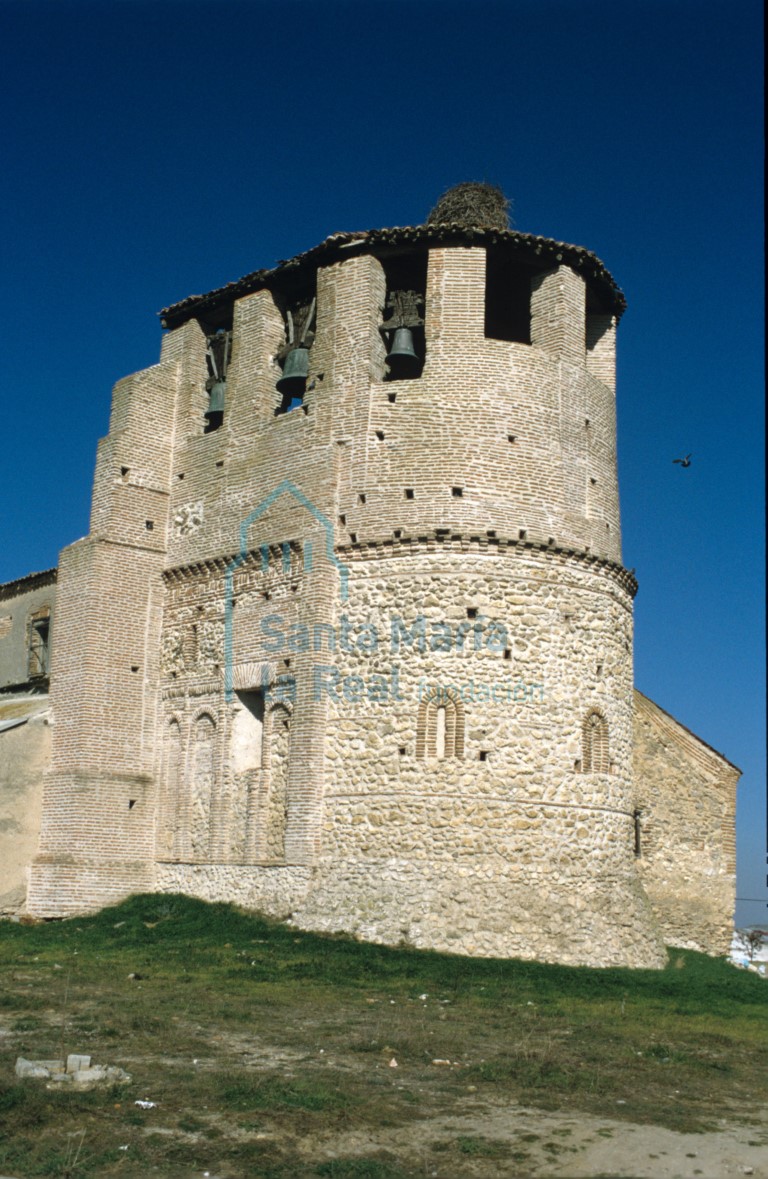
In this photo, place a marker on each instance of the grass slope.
(261, 1045)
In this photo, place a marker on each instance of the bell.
(215, 412)
(216, 398)
(295, 372)
(401, 354)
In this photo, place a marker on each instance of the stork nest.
(472, 204)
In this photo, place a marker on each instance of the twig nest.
(472, 204)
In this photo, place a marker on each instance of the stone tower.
(350, 638)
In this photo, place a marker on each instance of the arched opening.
(203, 782)
(171, 817)
(595, 758)
(440, 725)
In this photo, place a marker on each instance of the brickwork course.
(354, 646)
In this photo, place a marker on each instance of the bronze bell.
(295, 372)
(215, 412)
(216, 398)
(402, 355)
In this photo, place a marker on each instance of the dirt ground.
(567, 1145)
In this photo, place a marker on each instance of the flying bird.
(684, 462)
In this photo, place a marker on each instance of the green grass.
(258, 1041)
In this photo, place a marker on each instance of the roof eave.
(348, 244)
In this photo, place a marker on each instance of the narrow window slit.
(636, 817)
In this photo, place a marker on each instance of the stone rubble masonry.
(685, 795)
(485, 491)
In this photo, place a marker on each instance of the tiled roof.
(30, 581)
(528, 245)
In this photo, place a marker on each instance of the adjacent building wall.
(685, 799)
(24, 755)
(25, 606)
(26, 634)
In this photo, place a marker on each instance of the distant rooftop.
(30, 581)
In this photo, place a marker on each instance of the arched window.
(594, 744)
(440, 725)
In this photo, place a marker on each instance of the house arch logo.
(286, 487)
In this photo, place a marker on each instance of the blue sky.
(152, 151)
